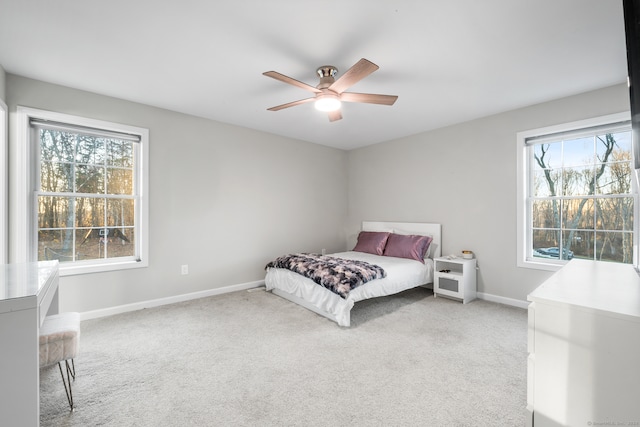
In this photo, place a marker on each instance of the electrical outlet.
(185, 269)
(324, 251)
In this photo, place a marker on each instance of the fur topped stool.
(59, 341)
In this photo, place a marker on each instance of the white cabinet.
(584, 347)
(455, 278)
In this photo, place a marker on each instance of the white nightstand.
(458, 282)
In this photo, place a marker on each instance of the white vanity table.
(27, 293)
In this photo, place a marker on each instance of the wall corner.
(3, 85)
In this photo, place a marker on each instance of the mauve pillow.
(412, 246)
(427, 254)
(372, 242)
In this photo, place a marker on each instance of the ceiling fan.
(330, 92)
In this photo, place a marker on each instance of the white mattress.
(402, 274)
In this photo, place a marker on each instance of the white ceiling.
(448, 61)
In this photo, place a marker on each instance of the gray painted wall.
(4, 202)
(464, 176)
(226, 200)
(3, 83)
(223, 199)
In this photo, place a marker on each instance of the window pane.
(576, 181)
(89, 179)
(546, 214)
(56, 146)
(55, 212)
(545, 244)
(615, 178)
(578, 152)
(90, 150)
(55, 245)
(623, 141)
(120, 153)
(89, 244)
(120, 212)
(579, 243)
(547, 156)
(577, 214)
(615, 214)
(544, 239)
(120, 181)
(120, 243)
(546, 182)
(612, 246)
(56, 177)
(90, 212)
(607, 144)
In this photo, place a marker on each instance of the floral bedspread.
(336, 274)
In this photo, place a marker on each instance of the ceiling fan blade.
(359, 71)
(289, 80)
(290, 104)
(368, 98)
(335, 115)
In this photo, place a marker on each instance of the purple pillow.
(412, 247)
(372, 242)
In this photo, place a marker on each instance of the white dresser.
(27, 293)
(584, 347)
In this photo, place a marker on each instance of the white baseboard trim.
(110, 311)
(503, 300)
(103, 312)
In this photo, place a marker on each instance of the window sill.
(93, 267)
(541, 265)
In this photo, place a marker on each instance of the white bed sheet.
(402, 274)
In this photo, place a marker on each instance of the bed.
(401, 273)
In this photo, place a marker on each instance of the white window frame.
(524, 233)
(24, 211)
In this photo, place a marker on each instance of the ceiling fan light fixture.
(327, 103)
(329, 93)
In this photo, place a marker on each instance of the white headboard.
(419, 228)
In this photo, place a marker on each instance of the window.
(576, 194)
(88, 178)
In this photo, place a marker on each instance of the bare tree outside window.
(86, 203)
(581, 198)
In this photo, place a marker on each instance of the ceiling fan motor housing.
(327, 74)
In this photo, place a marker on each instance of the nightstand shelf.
(455, 278)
